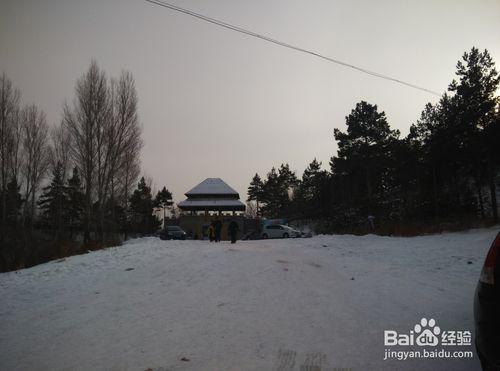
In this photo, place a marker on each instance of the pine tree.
(437, 161)
(13, 202)
(492, 135)
(75, 201)
(277, 191)
(311, 180)
(287, 178)
(163, 200)
(475, 105)
(363, 154)
(53, 201)
(288, 183)
(141, 209)
(311, 191)
(456, 141)
(255, 191)
(271, 195)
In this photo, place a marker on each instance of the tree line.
(447, 168)
(76, 179)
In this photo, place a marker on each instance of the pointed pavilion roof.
(212, 194)
(212, 186)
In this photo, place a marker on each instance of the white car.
(279, 231)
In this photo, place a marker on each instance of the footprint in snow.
(285, 360)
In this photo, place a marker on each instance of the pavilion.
(211, 199)
(212, 195)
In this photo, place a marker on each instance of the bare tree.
(9, 112)
(251, 210)
(16, 146)
(85, 122)
(120, 137)
(174, 211)
(59, 150)
(126, 177)
(36, 156)
(106, 139)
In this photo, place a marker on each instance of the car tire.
(286, 235)
(265, 236)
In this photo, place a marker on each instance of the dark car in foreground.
(487, 310)
(172, 232)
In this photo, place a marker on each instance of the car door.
(276, 231)
(280, 231)
(269, 231)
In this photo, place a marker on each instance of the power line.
(283, 44)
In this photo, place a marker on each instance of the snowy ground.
(257, 305)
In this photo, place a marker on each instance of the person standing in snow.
(370, 222)
(211, 232)
(233, 230)
(218, 229)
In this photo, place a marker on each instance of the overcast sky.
(215, 103)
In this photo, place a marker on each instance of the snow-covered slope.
(256, 305)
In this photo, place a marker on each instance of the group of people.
(215, 230)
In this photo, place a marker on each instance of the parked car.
(172, 232)
(253, 235)
(279, 231)
(487, 310)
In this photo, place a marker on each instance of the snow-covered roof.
(212, 186)
(212, 204)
